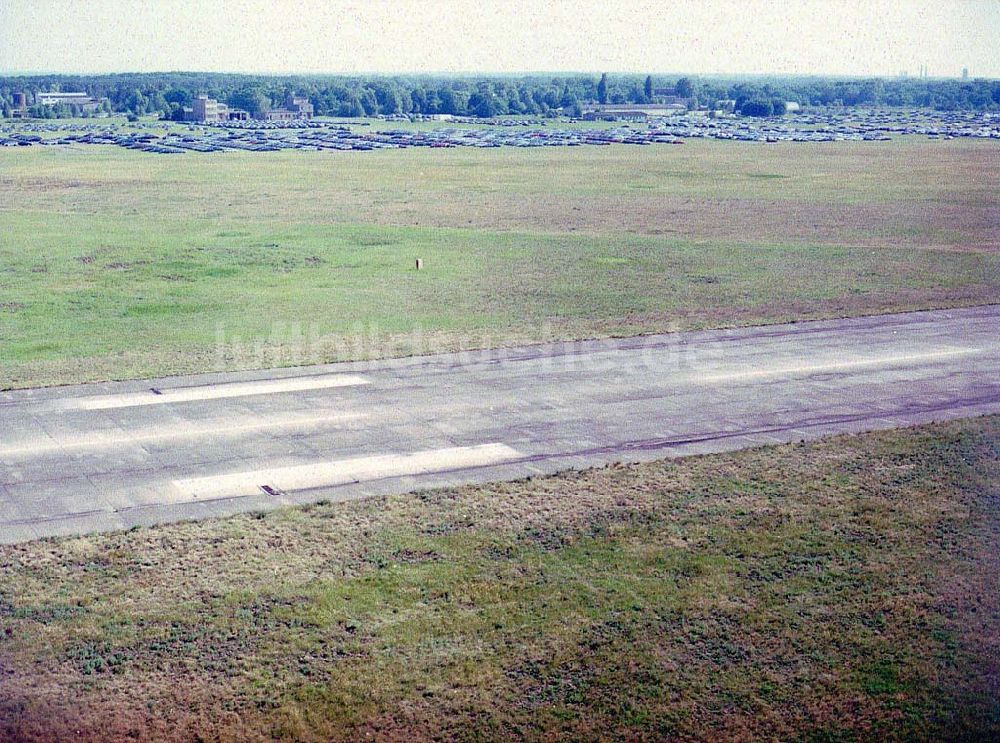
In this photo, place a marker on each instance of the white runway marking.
(214, 392)
(105, 439)
(835, 366)
(325, 474)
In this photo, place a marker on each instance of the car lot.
(257, 136)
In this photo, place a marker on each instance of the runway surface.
(111, 456)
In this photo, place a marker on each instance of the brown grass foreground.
(827, 591)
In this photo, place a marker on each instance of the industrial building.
(296, 107)
(20, 108)
(207, 109)
(630, 111)
(85, 101)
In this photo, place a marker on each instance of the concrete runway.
(111, 456)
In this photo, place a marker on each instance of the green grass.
(839, 590)
(119, 264)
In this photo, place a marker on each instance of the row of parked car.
(213, 139)
(320, 135)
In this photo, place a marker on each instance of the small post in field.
(420, 263)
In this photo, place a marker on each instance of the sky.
(834, 37)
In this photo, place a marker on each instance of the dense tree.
(535, 95)
(684, 88)
(388, 99)
(418, 99)
(369, 102)
(136, 103)
(179, 96)
(451, 103)
(351, 107)
(483, 103)
(252, 99)
(761, 107)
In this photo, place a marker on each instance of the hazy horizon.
(821, 38)
(485, 73)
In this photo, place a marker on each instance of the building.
(20, 108)
(615, 114)
(630, 111)
(280, 114)
(300, 104)
(792, 107)
(295, 108)
(669, 96)
(83, 100)
(204, 108)
(207, 109)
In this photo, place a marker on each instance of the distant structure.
(629, 111)
(207, 109)
(20, 107)
(83, 100)
(667, 96)
(204, 108)
(296, 107)
(965, 73)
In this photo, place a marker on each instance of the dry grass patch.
(826, 591)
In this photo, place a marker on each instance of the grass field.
(825, 591)
(119, 264)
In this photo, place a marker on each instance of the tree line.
(168, 93)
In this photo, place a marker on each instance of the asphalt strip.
(165, 396)
(341, 472)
